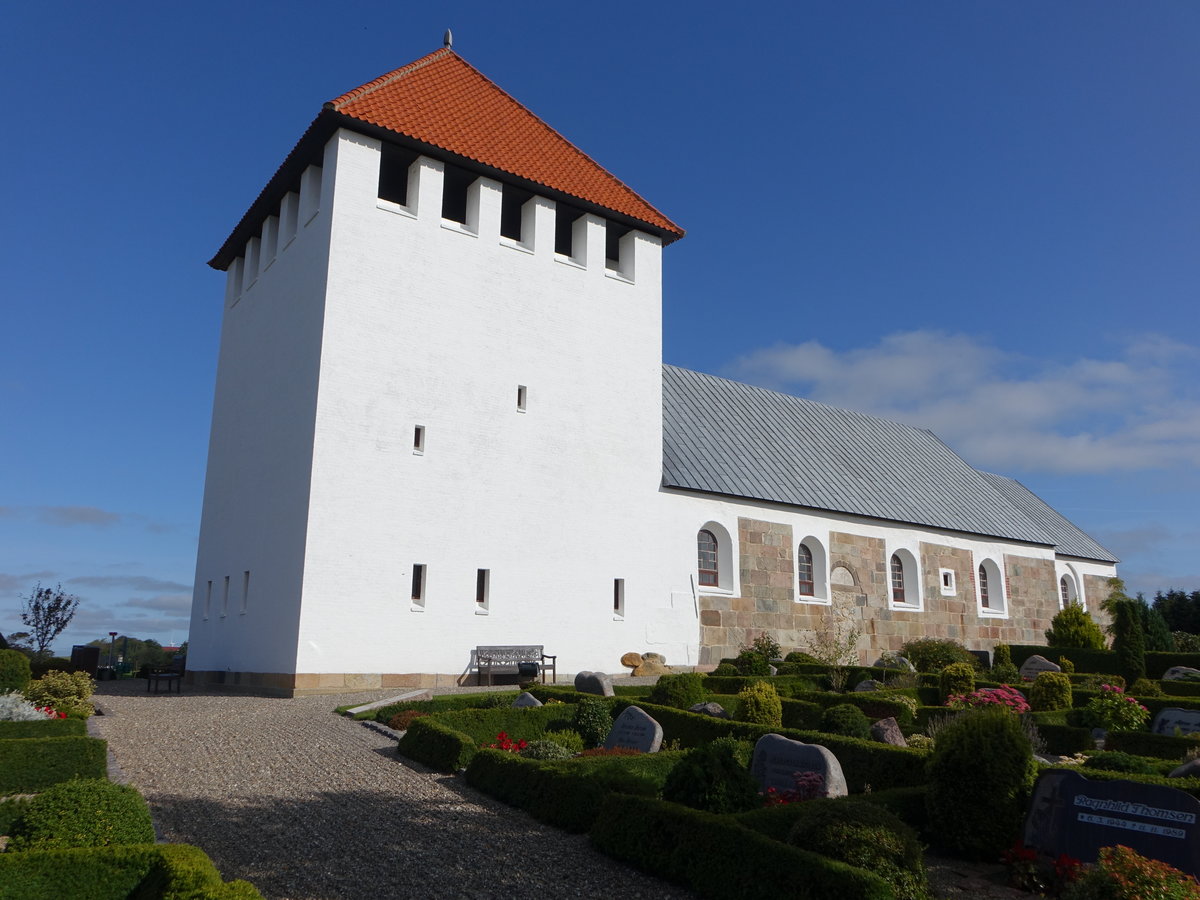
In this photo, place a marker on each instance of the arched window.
(804, 569)
(983, 588)
(1066, 589)
(897, 579)
(706, 558)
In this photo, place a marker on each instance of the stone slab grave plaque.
(1035, 665)
(777, 759)
(599, 683)
(525, 699)
(1077, 816)
(1167, 720)
(636, 730)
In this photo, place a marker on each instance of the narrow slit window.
(418, 584)
(225, 597)
(419, 440)
(897, 579)
(208, 600)
(983, 588)
(804, 569)
(483, 579)
(245, 589)
(522, 397)
(706, 558)
(619, 596)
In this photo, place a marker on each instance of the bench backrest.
(511, 654)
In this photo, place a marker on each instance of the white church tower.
(438, 413)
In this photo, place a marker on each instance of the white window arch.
(904, 580)
(989, 589)
(1070, 586)
(812, 571)
(714, 559)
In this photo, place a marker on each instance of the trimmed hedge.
(1066, 740)
(907, 804)
(567, 793)
(136, 872)
(1157, 662)
(1144, 743)
(47, 729)
(1080, 699)
(694, 849)
(1104, 662)
(84, 812)
(1180, 688)
(875, 704)
(448, 741)
(801, 714)
(28, 765)
(864, 762)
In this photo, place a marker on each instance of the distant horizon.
(976, 219)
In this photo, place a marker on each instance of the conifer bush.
(711, 778)
(934, 654)
(593, 721)
(760, 705)
(1049, 691)
(956, 678)
(680, 691)
(846, 719)
(1073, 627)
(749, 662)
(980, 774)
(14, 671)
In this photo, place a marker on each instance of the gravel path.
(306, 804)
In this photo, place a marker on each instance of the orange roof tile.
(443, 101)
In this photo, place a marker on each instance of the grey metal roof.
(724, 437)
(1068, 539)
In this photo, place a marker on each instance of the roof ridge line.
(393, 76)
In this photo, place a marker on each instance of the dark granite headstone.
(984, 657)
(869, 684)
(711, 708)
(1167, 720)
(1190, 769)
(526, 699)
(777, 760)
(594, 683)
(1181, 673)
(1035, 665)
(636, 730)
(887, 731)
(1077, 816)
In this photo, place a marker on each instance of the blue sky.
(981, 218)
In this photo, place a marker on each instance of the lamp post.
(112, 643)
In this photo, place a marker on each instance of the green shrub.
(934, 654)
(1002, 655)
(401, 720)
(65, 692)
(1145, 743)
(1114, 710)
(694, 848)
(91, 812)
(956, 679)
(31, 764)
(867, 836)
(14, 671)
(1118, 761)
(169, 871)
(1066, 665)
(797, 656)
(10, 810)
(545, 749)
(765, 646)
(1049, 691)
(846, 719)
(39, 666)
(712, 779)
(1129, 642)
(1124, 874)
(760, 705)
(750, 663)
(725, 669)
(593, 720)
(801, 714)
(1144, 687)
(1072, 626)
(569, 739)
(44, 728)
(977, 816)
(680, 691)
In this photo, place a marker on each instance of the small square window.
(947, 582)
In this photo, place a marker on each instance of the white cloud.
(170, 603)
(1137, 411)
(18, 582)
(132, 582)
(67, 516)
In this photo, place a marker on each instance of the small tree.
(1073, 627)
(1129, 641)
(47, 613)
(836, 645)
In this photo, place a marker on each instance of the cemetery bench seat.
(171, 675)
(527, 661)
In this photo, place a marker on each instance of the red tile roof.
(443, 101)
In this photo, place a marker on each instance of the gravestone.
(716, 710)
(894, 661)
(599, 683)
(777, 760)
(636, 730)
(1167, 720)
(984, 657)
(1181, 673)
(1035, 665)
(887, 731)
(869, 684)
(1077, 816)
(1190, 769)
(525, 699)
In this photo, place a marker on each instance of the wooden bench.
(172, 675)
(526, 661)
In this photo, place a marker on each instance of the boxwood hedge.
(448, 741)
(49, 728)
(31, 764)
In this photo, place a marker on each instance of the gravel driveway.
(306, 804)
